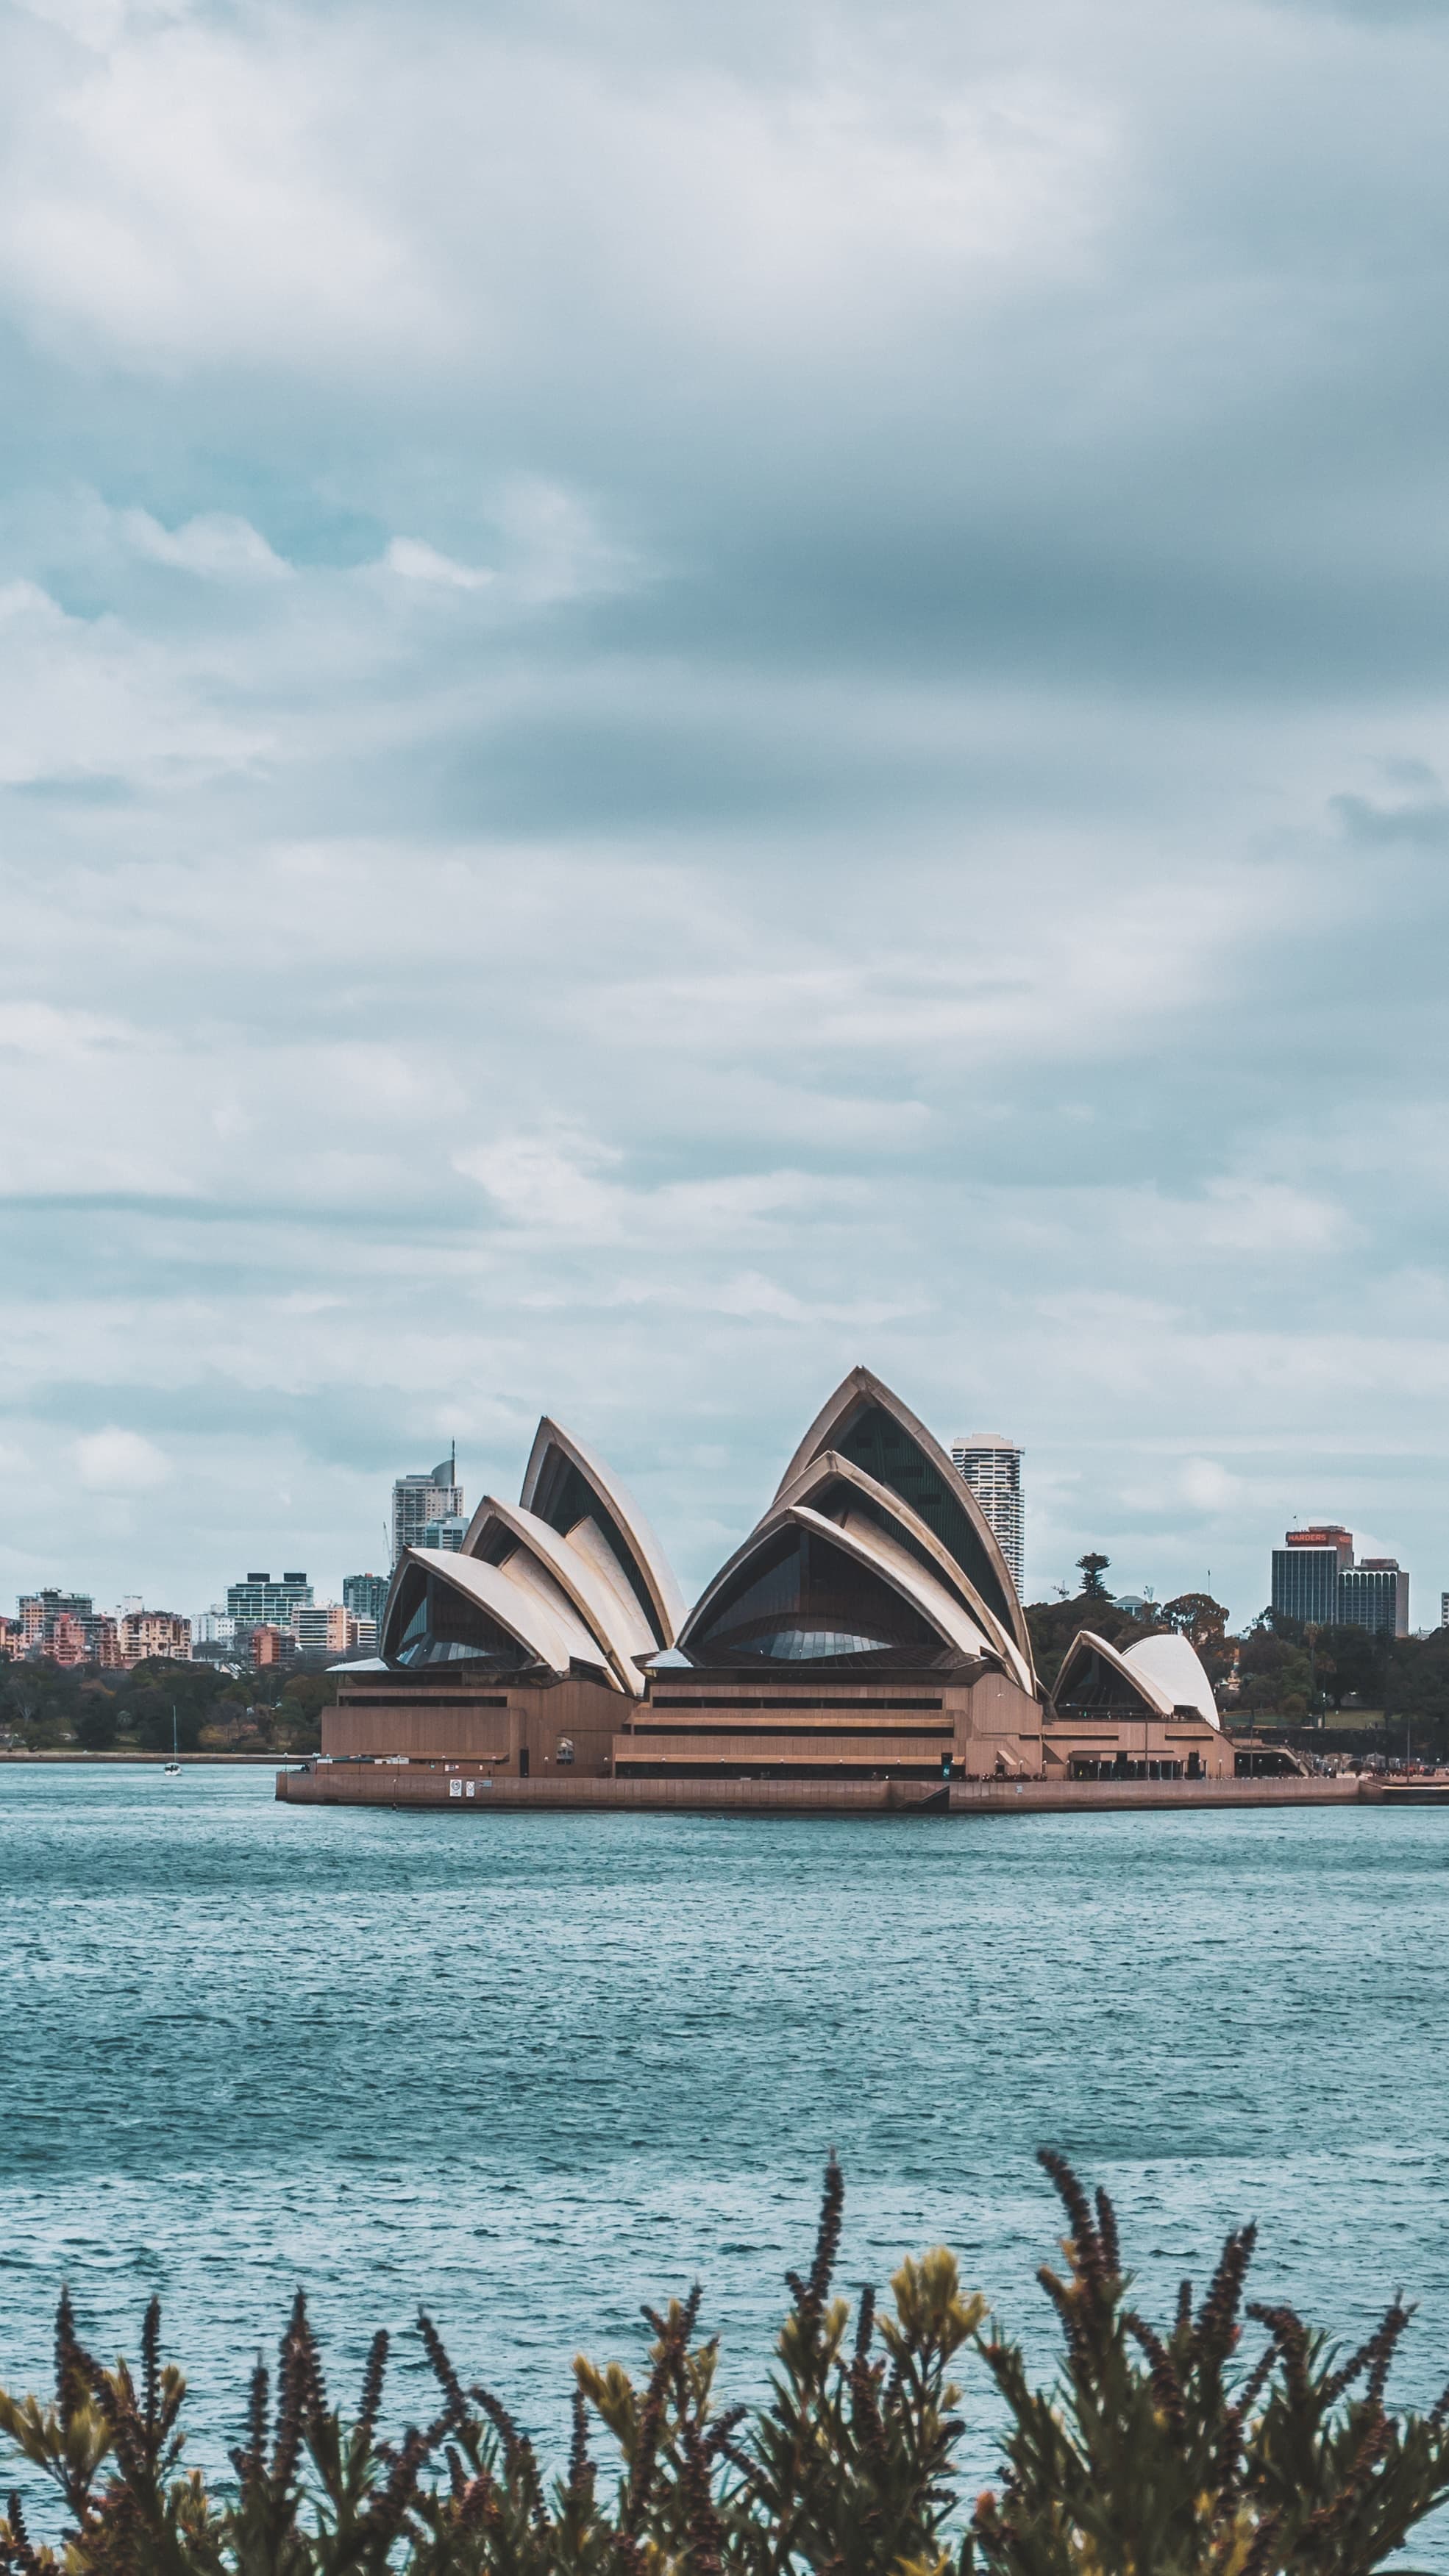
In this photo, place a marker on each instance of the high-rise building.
(271, 1645)
(65, 1628)
(261, 1602)
(365, 1595)
(1306, 1569)
(416, 1500)
(992, 1469)
(1375, 1594)
(1315, 1578)
(1444, 1609)
(38, 1611)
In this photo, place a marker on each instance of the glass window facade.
(433, 1623)
(992, 1469)
(259, 1602)
(800, 1600)
(1374, 1597)
(886, 1451)
(1305, 1583)
(1097, 1686)
(565, 1497)
(365, 1595)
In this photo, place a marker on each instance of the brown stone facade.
(1183, 1747)
(964, 1722)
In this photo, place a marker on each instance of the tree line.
(47, 1707)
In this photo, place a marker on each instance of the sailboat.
(173, 1767)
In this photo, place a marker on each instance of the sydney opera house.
(866, 1631)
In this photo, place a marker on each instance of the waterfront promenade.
(460, 1789)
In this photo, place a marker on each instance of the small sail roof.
(1174, 1665)
(568, 1485)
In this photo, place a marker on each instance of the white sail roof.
(644, 1568)
(1172, 1662)
(861, 1392)
(601, 1599)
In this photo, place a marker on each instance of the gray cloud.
(685, 696)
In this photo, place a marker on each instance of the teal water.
(534, 2070)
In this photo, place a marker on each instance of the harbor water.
(533, 2070)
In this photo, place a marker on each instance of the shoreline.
(124, 1754)
(399, 1786)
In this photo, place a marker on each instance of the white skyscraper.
(992, 1469)
(416, 1500)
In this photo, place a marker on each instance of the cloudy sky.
(688, 694)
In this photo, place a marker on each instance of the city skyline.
(1000, 1490)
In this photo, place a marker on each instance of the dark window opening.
(802, 1601)
(878, 1443)
(1098, 1686)
(564, 1498)
(934, 1772)
(868, 1733)
(433, 1623)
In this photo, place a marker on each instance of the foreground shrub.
(1158, 2453)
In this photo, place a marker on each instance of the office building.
(992, 1469)
(365, 1595)
(1306, 1569)
(268, 1645)
(259, 1602)
(416, 1500)
(1444, 1609)
(1315, 1578)
(1375, 1595)
(212, 1627)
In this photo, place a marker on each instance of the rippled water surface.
(533, 2070)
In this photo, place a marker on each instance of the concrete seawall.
(411, 1785)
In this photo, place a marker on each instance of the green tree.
(1270, 1667)
(1092, 1567)
(1053, 1625)
(1203, 1621)
(154, 1724)
(1351, 1663)
(96, 1725)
